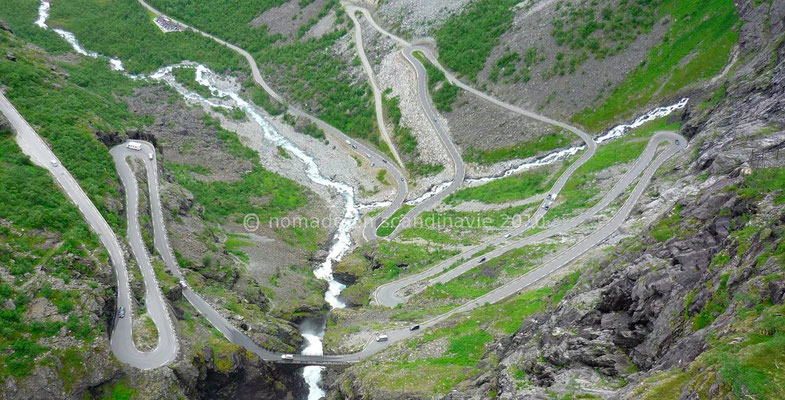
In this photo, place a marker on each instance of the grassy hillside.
(696, 46)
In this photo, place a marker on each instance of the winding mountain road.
(458, 164)
(167, 348)
(122, 342)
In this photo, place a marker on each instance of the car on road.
(414, 327)
(55, 163)
(482, 260)
(384, 161)
(677, 142)
(183, 284)
(434, 119)
(381, 338)
(348, 142)
(373, 164)
(354, 147)
(150, 156)
(121, 312)
(546, 207)
(401, 179)
(287, 357)
(552, 196)
(507, 236)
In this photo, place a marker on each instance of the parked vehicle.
(287, 357)
(381, 338)
(121, 312)
(134, 146)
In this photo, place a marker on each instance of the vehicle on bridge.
(287, 357)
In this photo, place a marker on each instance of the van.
(134, 146)
(381, 338)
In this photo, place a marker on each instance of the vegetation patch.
(467, 337)
(521, 150)
(696, 46)
(466, 40)
(442, 92)
(515, 187)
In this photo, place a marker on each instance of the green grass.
(465, 40)
(187, 77)
(764, 181)
(704, 30)
(388, 226)
(521, 150)
(442, 92)
(395, 259)
(486, 276)
(667, 227)
(515, 187)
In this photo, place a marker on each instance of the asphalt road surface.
(394, 293)
(121, 338)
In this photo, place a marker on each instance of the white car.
(150, 156)
(55, 163)
(287, 357)
(381, 338)
(183, 284)
(508, 235)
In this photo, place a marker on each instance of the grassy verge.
(491, 274)
(700, 37)
(442, 92)
(387, 227)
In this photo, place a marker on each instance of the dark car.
(414, 327)
(481, 260)
(121, 312)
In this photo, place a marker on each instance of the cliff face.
(693, 306)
